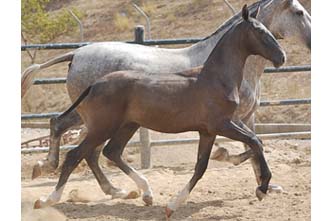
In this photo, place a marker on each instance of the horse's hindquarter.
(94, 61)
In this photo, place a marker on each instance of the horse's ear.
(256, 12)
(245, 13)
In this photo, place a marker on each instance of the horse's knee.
(256, 144)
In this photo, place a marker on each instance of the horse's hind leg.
(205, 146)
(58, 125)
(106, 186)
(235, 132)
(113, 151)
(73, 158)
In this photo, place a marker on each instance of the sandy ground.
(225, 192)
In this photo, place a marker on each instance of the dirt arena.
(225, 192)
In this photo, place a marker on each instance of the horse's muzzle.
(280, 60)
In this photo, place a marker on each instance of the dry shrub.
(122, 22)
(148, 8)
(191, 7)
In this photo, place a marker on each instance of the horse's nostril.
(283, 59)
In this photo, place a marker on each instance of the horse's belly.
(163, 115)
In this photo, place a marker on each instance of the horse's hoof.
(133, 195)
(260, 195)
(43, 166)
(38, 204)
(168, 212)
(273, 188)
(221, 154)
(36, 171)
(148, 199)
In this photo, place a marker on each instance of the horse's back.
(96, 60)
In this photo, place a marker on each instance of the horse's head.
(259, 40)
(292, 20)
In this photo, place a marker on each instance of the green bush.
(39, 26)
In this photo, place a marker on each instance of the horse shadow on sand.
(134, 212)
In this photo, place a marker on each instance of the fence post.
(139, 34)
(144, 132)
(145, 148)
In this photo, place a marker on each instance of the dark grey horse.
(120, 102)
(284, 18)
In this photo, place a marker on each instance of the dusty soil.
(225, 192)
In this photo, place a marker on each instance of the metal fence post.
(139, 34)
(144, 132)
(145, 148)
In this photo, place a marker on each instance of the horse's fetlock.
(266, 175)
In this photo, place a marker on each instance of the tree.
(40, 26)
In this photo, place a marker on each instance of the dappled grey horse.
(284, 18)
(120, 102)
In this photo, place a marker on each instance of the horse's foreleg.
(222, 154)
(250, 122)
(113, 151)
(58, 126)
(241, 133)
(205, 146)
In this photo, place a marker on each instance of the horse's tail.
(78, 101)
(28, 74)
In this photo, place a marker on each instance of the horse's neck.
(226, 62)
(269, 12)
(255, 64)
(199, 52)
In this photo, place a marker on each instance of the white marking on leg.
(180, 198)
(56, 194)
(141, 182)
(53, 198)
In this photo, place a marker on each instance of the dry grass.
(122, 22)
(148, 8)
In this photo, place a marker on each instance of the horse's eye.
(300, 13)
(260, 30)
